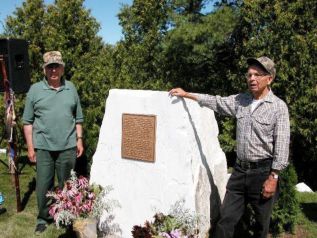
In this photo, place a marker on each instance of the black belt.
(244, 164)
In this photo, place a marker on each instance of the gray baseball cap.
(266, 63)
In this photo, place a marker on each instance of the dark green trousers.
(47, 163)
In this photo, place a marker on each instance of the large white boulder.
(189, 163)
(302, 187)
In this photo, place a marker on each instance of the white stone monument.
(302, 188)
(188, 161)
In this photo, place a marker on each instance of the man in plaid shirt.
(263, 134)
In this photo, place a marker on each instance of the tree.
(191, 50)
(189, 7)
(27, 24)
(137, 57)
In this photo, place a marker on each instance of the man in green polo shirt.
(52, 122)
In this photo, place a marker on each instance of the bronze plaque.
(138, 137)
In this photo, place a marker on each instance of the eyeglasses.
(256, 75)
(53, 66)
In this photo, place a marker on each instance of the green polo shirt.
(53, 114)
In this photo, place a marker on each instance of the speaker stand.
(10, 128)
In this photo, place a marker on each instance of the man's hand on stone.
(178, 92)
(269, 187)
(182, 93)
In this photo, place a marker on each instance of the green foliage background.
(171, 43)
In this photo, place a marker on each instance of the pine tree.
(137, 57)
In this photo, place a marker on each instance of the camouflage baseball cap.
(53, 57)
(266, 63)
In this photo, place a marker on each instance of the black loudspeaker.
(15, 54)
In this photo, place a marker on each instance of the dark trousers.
(244, 187)
(47, 162)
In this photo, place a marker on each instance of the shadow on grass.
(23, 161)
(28, 193)
(310, 211)
(68, 234)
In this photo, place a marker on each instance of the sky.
(105, 12)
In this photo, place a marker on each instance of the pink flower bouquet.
(76, 200)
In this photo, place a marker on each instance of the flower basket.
(179, 223)
(85, 228)
(80, 205)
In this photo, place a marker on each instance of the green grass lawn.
(307, 221)
(22, 224)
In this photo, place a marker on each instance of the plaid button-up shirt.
(262, 133)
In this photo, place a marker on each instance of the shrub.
(286, 209)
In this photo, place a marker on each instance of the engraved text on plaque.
(138, 137)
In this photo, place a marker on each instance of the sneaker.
(40, 228)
